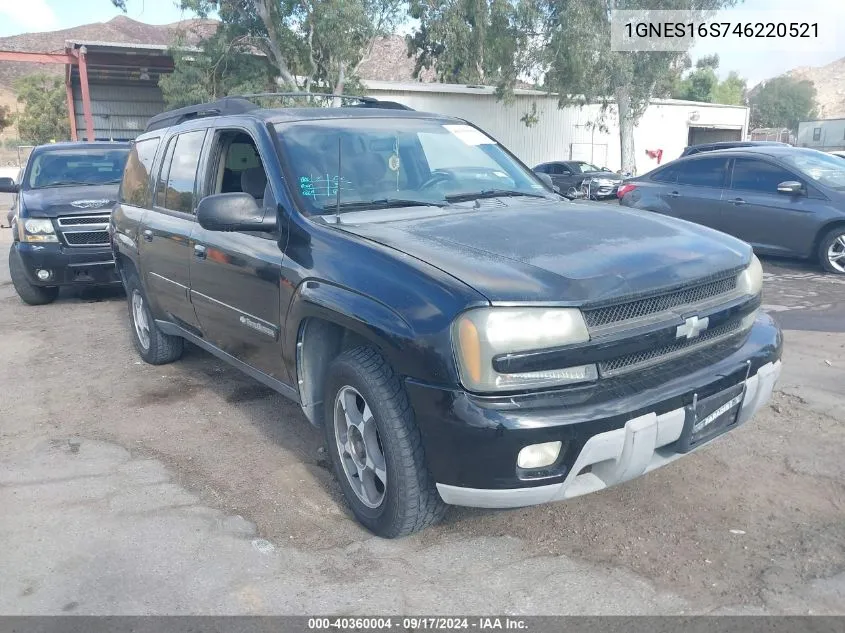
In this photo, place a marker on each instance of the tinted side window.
(135, 188)
(164, 170)
(758, 175)
(667, 174)
(179, 194)
(704, 172)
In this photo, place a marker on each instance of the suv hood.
(557, 252)
(76, 200)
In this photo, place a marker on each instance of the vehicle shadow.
(92, 294)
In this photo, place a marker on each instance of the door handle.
(148, 235)
(674, 194)
(738, 202)
(199, 251)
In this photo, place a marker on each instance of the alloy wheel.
(359, 446)
(140, 320)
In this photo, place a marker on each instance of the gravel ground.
(197, 490)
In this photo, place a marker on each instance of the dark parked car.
(462, 335)
(59, 226)
(783, 201)
(711, 147)
(570, 174)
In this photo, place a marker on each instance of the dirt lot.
(197, 490)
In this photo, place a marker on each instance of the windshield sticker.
(322, 186)
(393, 162)
(469, 135)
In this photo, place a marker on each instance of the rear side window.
(667, 174)
(179, 171)
(135, 187)
(703, 172)
(758, 175)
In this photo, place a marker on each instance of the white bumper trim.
(615, 456)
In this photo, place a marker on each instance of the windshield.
(587, 167)
(66, 167)
(388, 162)
(823, 168)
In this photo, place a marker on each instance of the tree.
(212, 70)
(582, 66)
(702, 84)
(45, 115)
(782, 102)
(312, 44)
(6, 117)
(469, 41)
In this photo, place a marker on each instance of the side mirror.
(605, 169)
(791, 187)
(8, 185)
(546, 179)
(566, 172)
(235, 212)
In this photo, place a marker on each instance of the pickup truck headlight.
(481, 334)
(36, 230)
(750, 280)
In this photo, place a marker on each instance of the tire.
(833, 244)
(410, 501)
(28, 292)
(157, 348)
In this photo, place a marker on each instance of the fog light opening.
(43, 274)
(539, 455)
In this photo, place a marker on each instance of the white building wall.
(572, 132)
(831, 134)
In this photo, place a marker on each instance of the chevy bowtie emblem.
(89, 204)
(692, 327)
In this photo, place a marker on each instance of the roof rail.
(238, 104)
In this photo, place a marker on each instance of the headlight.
(750, 280)
(480, 335)
(36, 230)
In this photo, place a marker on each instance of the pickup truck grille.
(641, 360)
(618, 314)
(84, 230)
(87, 238)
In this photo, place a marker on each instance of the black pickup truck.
(60, 224)
(462, 334)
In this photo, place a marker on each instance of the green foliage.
(215, 70)
(316, 45)
(782, 102)
(45, 116)
(6, 117)
(702, 84)
(470, 41)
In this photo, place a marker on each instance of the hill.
(120, 29)
(830, 86)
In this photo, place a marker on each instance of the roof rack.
(245, 103)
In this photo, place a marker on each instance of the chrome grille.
(640, 360)
(613, 314)
(87, 238)
(83, 219)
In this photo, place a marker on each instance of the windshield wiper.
(491, 193)
(382, 203)
(65, 183)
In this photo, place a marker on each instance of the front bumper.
(68, 266)
(609, 436)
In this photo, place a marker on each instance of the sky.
(20, 16)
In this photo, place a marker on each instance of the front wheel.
(832, 251)
(28, 292)
(376, 448)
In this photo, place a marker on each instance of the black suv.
(59, 226)
(461, 333)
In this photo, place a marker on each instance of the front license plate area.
(710, 417)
